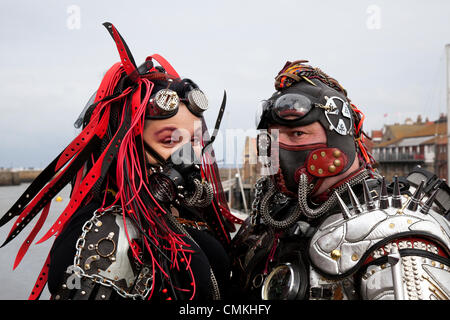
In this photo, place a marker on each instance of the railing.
(400, 157)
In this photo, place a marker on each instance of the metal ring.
(112, 251)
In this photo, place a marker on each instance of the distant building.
(404, 146)
(249, 174)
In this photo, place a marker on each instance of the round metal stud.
(335, 254)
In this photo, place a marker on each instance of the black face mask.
(320, 104)
(293, 161)
(176, 178)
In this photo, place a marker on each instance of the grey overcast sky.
(389, 55)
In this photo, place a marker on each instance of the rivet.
(391, 225)
(103, 296)
(409, 221)
(337, 162)
(323, 154)
(355, 257)
(312, 167)
(332, 168)
(314, 156)
(320, 171)
(336, 153)
(335, 254)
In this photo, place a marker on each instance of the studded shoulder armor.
(346, 241)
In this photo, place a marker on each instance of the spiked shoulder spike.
(354, 200)
(368, 200)
(415, 199)
(396, 195)
(345, 211)
(429, 203)
(384, 201)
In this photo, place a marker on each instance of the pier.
(11, 177)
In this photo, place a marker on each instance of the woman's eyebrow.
(167, 128)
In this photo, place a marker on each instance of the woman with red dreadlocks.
(147, 217)
(325, 225)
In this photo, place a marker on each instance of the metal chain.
(301, 207)
(79, 272)
(196, 200)
(259, 190)
(331, 201)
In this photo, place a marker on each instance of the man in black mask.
(325, 225)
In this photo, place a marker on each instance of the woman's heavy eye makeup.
(165, 136)
(169, 137)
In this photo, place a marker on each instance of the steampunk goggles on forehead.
(285, 109)
(166, 102)
(293, 109)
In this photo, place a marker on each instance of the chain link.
(79, 272)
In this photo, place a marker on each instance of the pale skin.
(310, 134)
(166, 135)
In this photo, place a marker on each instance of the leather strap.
(95, 175)
(41, 281)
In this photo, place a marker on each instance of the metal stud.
(396, 196)
(354, 200)
(384, 201)
(368, 200)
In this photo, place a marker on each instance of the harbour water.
(17, 284)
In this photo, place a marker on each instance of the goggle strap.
(165, 64)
